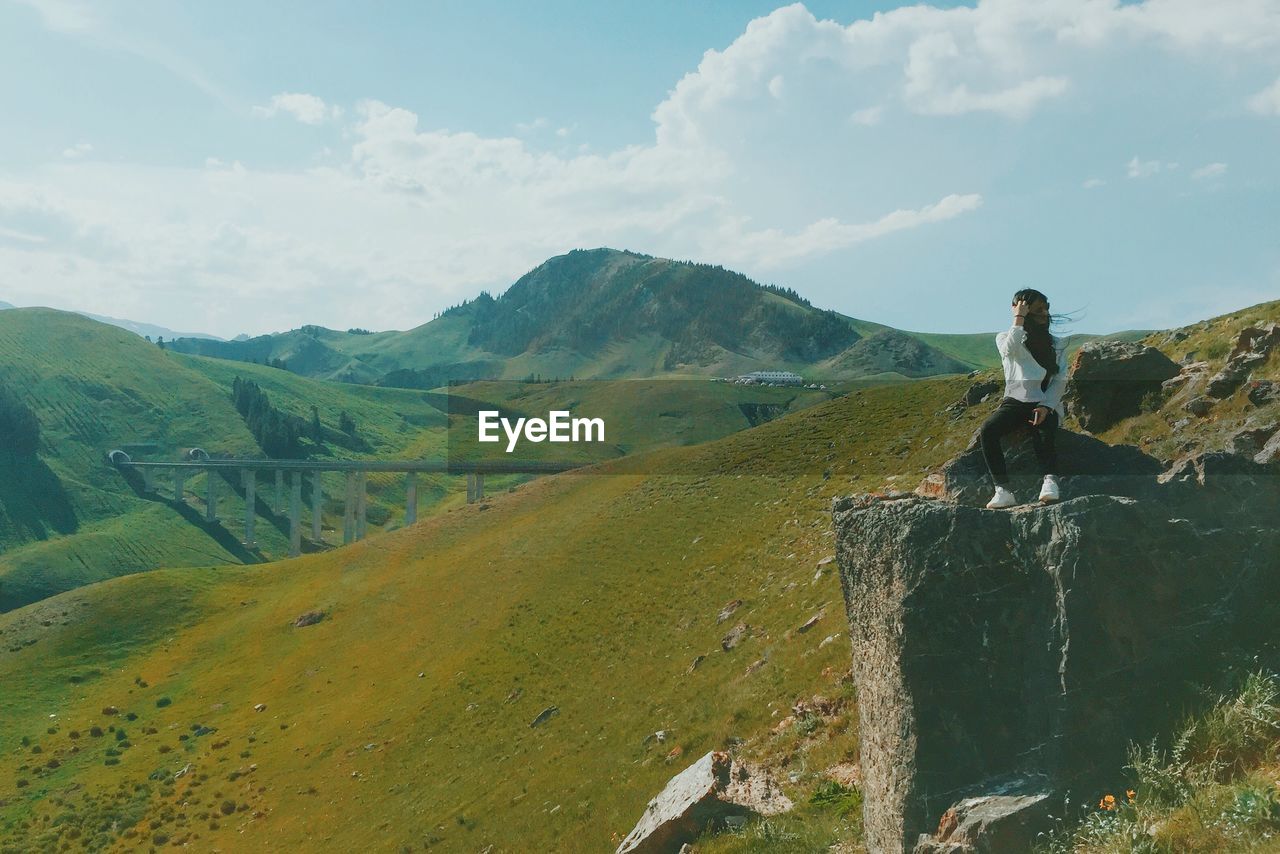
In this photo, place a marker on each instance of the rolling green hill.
(609, 313)
(183, 706)
(588, 592)
(68, 518)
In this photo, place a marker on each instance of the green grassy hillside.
(403, 718)
(93, 386)
(606, 313)
(68, 518)
(1166, 429)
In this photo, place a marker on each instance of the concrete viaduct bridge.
(353, 517)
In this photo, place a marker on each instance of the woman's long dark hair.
(1039, 341)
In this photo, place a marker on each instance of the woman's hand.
(1020, 310)
(1039, 414)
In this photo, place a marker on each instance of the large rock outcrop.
(1111, 379)
(1088, 466)
(709, 793)
(1004, 660)
(1253, 347)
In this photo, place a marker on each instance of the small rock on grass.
(310, 618)
(544, 715)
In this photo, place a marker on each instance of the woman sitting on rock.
(1035, 374)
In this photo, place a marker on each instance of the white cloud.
(9, 234)
(932, 64)
(867, 116)
(307, 109)
(1001, 59)
(402, 219)
(1267, 102)
(409, 220)
(1137, 168)
(1209, 170)
(80, 149)
(92, 24)
(64, 16)
(1093, 183)
(537, 124)
(770, 248)
(1016, 101)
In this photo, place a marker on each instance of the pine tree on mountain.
(19, 427)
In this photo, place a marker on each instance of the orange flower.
(1107, 803)
(1131, 793)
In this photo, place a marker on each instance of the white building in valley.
(772, 377)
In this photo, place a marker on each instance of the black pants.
(1012, 415)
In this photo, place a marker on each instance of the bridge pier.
(317, 508)
(410, 497)
(362, 489)
(295, 513)
(356, 499)
(249, 477)
(349, 510)
(211, 496)
(475, 487)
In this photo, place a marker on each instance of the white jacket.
(1023, 374)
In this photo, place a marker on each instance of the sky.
(240, 167)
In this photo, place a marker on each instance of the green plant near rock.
(1207, 791)
(832, 795)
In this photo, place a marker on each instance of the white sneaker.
(1049, 490)
(1003, 498)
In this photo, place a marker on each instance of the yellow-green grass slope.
(1165, 428)
(69, 518)
(590, 593)
(638, 414)
(1212, 787)
(404, 717)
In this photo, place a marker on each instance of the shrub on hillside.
(1211, 789)
(276, 432)
(19, 427)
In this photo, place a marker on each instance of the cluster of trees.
(19, 427)
(539, 378)
(702, 308)
(356, 330)
(787, 293)
(443, 374)
(482, 297)
(269, 362)
(277, 433)
(811, 336)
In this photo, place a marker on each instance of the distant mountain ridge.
(609, 313)
(144, 330)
